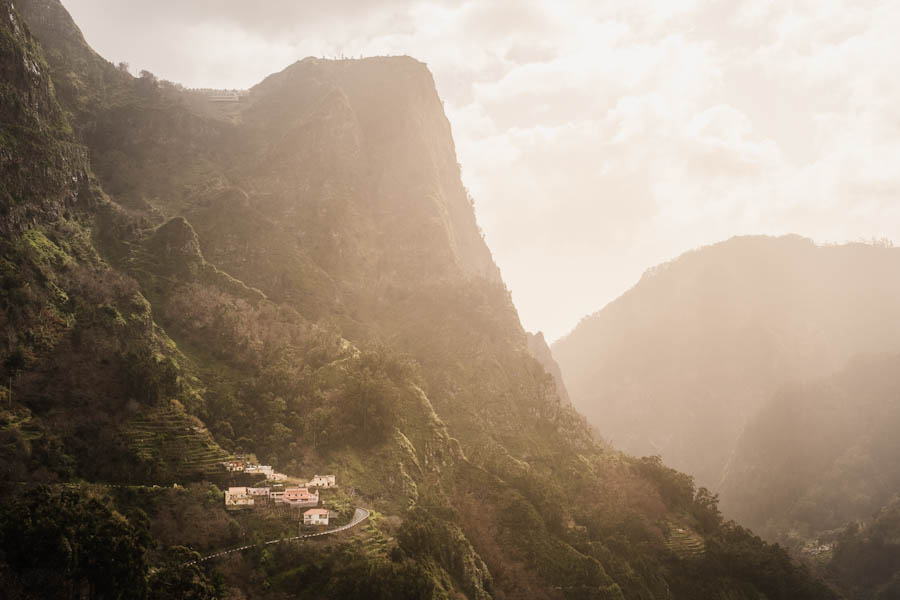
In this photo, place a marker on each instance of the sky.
(597, 138)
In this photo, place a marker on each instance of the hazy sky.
(597, 138)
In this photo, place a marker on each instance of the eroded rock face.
(42, 171)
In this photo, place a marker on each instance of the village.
(281, 493)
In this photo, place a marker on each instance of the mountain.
(83, 357)
(820, 455)
(539, 349)
(680, 363)
(867, 558)
(296, 278)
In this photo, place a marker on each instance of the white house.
(322, 481)
(260, 493)
(238, 496)
(315, 516)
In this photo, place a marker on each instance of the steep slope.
(43, 170)
(821, 455)
(539, 349)
(866, 559)
(332, 307)
(679, 363)
(82, 355)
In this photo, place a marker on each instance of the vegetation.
(68, 543)
(866, 559)
(307, 280)
(829, 450)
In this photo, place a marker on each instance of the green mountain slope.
(303, 275)
(678, 364)
(83, 357)
(821, 455)
(866, 559)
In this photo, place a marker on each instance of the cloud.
(597, 138)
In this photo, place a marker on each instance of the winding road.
(359, 515)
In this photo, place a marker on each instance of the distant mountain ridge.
(678, 364)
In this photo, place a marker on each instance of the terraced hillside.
(169, 436)
(685, 543)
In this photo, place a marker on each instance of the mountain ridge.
(715, 332)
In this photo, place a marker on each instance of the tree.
(13, 364)
(74, 543)
(147, 82)
(706, 510)
(179, 580)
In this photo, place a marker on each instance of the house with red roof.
(301, 497)
(316, 516)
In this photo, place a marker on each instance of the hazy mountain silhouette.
(681, 362)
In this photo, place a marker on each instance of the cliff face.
(42, 170)
(380, 120)
(678, 364)
(332, 308)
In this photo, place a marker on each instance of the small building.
(322, 481)
(234, 465)
(315, 516)
(301, 497)
(258, 493)
(237, 497)
(273, 475)
(276, 492)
